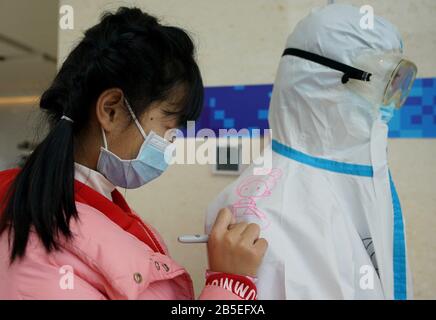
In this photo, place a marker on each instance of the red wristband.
(239, 285)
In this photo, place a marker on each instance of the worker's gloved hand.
(235, 248)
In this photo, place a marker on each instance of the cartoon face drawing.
(255, 188)
(252, 188)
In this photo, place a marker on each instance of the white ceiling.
(28, 29)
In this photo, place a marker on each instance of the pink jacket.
(103, 261)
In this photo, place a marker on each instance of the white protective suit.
(328, 207)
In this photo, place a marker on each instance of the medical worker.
(328, 206)
(65, 230)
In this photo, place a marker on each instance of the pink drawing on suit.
(251, 188)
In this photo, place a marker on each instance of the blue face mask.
(387, 112)
(151, 161)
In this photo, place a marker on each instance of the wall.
(17, 124)
(239, 42)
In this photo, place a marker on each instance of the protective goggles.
(387, 80)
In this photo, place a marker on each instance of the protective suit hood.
(311, 109)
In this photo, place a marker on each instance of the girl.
(65, 230)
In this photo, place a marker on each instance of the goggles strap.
(349, 72)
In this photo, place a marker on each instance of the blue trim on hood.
(329, 165)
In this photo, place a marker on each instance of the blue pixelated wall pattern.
(247, 107)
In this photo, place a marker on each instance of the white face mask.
(149, 164)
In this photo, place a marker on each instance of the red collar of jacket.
(117, 210)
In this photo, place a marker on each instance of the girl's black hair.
(129, 50)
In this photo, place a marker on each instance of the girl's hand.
(235, 248)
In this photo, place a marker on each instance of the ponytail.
(42, 195)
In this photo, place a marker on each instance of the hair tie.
(64, 117)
